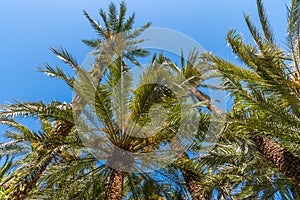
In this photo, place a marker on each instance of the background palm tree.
(266, 95)
(234, 167)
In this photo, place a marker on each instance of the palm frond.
(55, 110)
(57, 73)
(65, 56)
(97, 27)
(264, 22)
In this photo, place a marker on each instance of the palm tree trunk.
(21, 191)
(212, 107)
(281, 158)
(191, 180)
(284, 160)
(115, 185)
(60, 129)
(195, 189)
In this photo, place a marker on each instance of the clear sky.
(29, 28)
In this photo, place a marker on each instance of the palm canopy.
(141, 120)
(233, 168)
(55, 157)
(269, 84)
(92, 148)
(64, 159)
(46, 148)
(116, 30)
(266, 95)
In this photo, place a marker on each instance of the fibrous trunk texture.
(281, 158)
(115, 185)
(284, 160)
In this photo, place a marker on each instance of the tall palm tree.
(200, 183)
(266, 95)
(233, 169)
(57, 156)
(191, 69)
(250, 108)
(125, 130)
(35, 150)
(55, 160)
(116, 25)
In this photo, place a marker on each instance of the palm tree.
(54, 159)
(266, 96)
(116, 25)
(5, 167)
(58, 157)
(133, 111)
(233, 169)
(189, 69)
(35, 150)
(227, 174)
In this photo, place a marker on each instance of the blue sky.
(29, 28)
